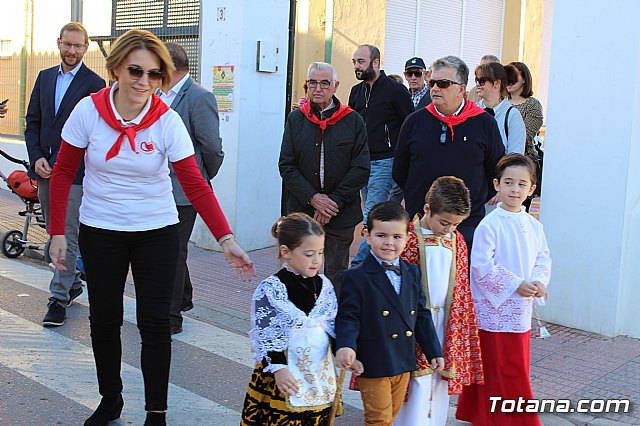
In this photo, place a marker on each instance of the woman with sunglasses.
(520, 87)
(491, 81)
(128, 217)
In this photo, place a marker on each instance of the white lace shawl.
(273, 316)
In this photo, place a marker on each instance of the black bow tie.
(389, 267)
(490, 111)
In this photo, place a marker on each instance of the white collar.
(394, 262)
(176, 89)
(455, 113)
(136, 120)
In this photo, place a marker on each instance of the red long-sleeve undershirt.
(195, 188)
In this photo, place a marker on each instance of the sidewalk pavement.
(571, 364)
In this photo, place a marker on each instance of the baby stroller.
(14, 242)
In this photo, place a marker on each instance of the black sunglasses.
(136, 73)
(442, 84)
(413, 73)
(480, 81)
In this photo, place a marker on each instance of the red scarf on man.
(102, 101)
(342, 112)
(469, 110)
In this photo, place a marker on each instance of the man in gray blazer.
(199, 111)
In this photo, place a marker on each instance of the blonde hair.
(75, 26)
(140, 39)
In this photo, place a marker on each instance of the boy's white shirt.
(508, 248)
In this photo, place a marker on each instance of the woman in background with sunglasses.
(128, 216)
(520, 88)
(491, 83)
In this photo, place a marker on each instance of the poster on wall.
(223, 86)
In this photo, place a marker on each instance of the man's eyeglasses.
(136, 73)
(480, 81)
(442, 84)
(324, 84)
(413, 73)
(69, 46)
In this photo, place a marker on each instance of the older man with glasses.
(324, 162)
(450, 137)
(416, 74)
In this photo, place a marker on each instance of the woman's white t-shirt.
(132, 191)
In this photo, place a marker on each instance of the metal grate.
(170, 20)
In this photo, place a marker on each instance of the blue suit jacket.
(44, 126)
(382, 326)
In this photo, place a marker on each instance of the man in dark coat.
(324, 162)
(450, 137)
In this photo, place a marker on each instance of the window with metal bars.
(170, 20)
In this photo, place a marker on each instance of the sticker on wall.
(223, 86)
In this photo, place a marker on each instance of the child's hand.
(357, 368)
(345, 357)
(437, 364)
(285, 382)
(541, 289)
(526, 289)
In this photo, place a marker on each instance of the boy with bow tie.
(382, 312)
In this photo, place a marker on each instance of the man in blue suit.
(56, 92)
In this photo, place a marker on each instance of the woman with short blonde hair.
(128, 218)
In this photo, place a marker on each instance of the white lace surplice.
(280, 326)
(507, 249)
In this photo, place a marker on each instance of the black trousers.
(152, 256)
(337, 243)
(182, 288)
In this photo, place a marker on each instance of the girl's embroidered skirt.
(265, 405)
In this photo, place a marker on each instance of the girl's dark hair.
(293, 228)
(523, 70)
(494, 71)
(516, 160)
(449, 194)
(387, 211)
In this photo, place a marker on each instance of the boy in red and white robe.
(441, 253)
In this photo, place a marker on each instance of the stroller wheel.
(12, 247)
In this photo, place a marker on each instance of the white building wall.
(248, 184)
(591, 188)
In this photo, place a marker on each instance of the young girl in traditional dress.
(510, 271)
(293, 315)
(441, 253)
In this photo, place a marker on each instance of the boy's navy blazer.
(382, 326)
(44, 126)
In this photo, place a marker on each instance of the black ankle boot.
(155, 419)
(109, 409)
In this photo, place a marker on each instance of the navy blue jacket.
(44, 126)
(382, 326)
(472, 156)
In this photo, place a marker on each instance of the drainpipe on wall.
(76, 10)
(328, 31)
(23, 70)
(289, 86)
